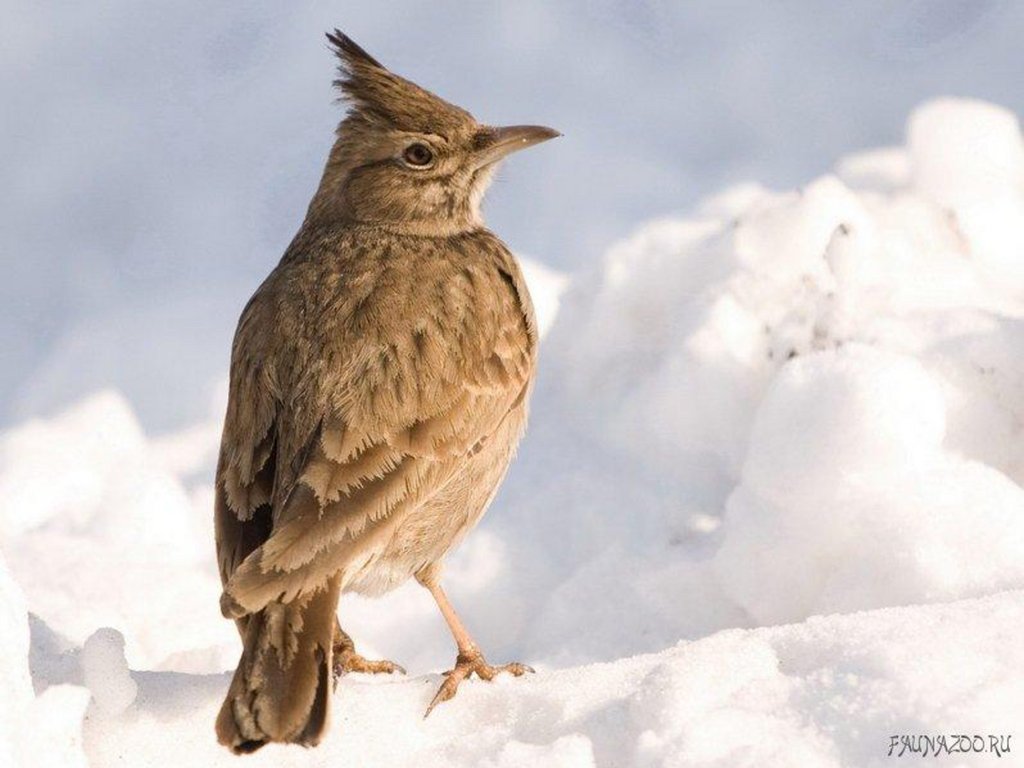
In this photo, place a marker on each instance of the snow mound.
(864, 508)
(100, 532)
(823, 388)
(968, 157)
(684, 327)
(105, 672)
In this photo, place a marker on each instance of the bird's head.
(405, 157)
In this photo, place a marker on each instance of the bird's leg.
(470, 659)
(347, 660)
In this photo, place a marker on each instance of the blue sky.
(159, 157)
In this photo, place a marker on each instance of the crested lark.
(379, 386)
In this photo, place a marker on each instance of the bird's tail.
(281, 690)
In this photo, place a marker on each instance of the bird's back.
(420, 350)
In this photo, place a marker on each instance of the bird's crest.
(379, 96)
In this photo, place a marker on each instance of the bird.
(379, 385)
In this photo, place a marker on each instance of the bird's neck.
(331, 207)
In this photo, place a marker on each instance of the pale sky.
(158, 157)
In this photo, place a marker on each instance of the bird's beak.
(496, 143)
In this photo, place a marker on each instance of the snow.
(105, 672)
(905, 520)
(94, 519)
(14, 677)
(827, 692)
(769, 511)
(34, 730)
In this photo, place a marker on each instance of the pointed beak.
(496, 143)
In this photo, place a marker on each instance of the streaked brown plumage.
(379, 386)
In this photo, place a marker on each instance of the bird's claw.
(347, 661)
(467, 665)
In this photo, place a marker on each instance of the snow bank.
(825, 693)
(849, 501)
(785, 405)
(100, 533)
(832, 377)
(34, 731)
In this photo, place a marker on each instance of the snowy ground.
(769, 513)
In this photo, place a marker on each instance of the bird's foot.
(347, 660)
(467, 664)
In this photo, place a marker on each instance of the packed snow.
(769, 511)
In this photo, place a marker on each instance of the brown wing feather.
(339, 512)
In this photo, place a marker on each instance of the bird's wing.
(409, 402)
(246, 468)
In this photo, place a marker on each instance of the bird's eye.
(418, 155)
